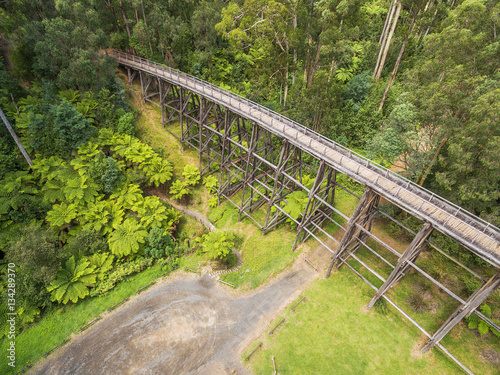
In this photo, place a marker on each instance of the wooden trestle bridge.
(264, 156)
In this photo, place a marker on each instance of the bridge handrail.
(422, 192)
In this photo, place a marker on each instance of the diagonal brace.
(410, 254)
(472, 303)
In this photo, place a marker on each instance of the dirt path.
(187, 326)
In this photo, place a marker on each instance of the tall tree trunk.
(332, 67)
(438, 151)
(388, 42)
(387, 23)
(314, 64)
(383, 36)
(398, 60)
(434, 158)
(294, 74)
(143, 13)
(308, 59)
(285, 94)
(309, 42)
(287, 68)
(125, 19)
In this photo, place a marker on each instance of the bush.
(218, 245)
(126, 124)
(119, 274)
(418, 302)
(160, 244)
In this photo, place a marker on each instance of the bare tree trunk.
(287, 69)
(314, 64)
(15, 105)
(429, 167)
(387, 23)
(125, 19)
(308, 59)
(332, 67)
(143, 13)
(309, 41)
(383, 36)
(285, 94)
(388, 42)
(438, 151)
(398, 60)
(16, 139)
(294, 52)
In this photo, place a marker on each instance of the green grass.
(59, 324)
(263, 256)
(331, 333)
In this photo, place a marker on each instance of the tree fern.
(128, 195)
(475, 322)
(80, 190)
(62, 214)
(88, 151)
(53, 191)
(103, 262)
(296, 205)
(159, 172)
(307, 181)
(151, 212)
(218, 245)
(212, 202)
(179, 189)
(191, 174)
(126, 238)
(72, 281)
(211, 183)
(95, 215)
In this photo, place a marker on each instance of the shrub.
(418, 303)
(474, 322)
(218, 245)
(191, 175)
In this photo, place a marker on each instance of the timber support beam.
(361, 218)
(472, 303)
(309, 210)
(410, 255)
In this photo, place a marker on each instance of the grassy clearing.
(59, 324)
(263, 256)
(331, 333)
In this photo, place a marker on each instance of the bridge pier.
(362, 218)
(472, 303)
(402, 265)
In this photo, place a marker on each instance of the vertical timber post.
(143, 94)
(472, 303)
(363, 214)
(249, 175)
(181, 115)
(162, 107)
(223, 152)
(203, 104)
(312, 194)
(410, 254)
(284, 152)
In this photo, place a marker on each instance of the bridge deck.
(476, 234)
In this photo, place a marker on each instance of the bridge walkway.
(479, 236)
